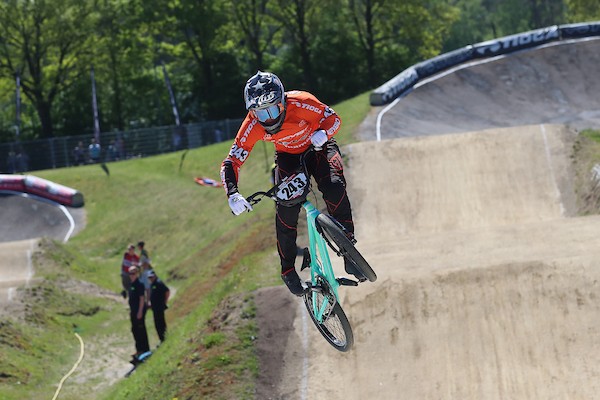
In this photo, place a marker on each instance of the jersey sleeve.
(331, 122)
(249, 133)
(308, 105)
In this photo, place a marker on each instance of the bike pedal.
(305, 259)
(346, 282)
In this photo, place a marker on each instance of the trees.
(257, 28)
(336, 48)
(43, 41)
(583, 10)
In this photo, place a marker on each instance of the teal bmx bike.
(325, 236)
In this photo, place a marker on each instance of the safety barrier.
(41, 187)
(405, 80)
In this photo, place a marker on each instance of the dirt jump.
(25, 219)
(488, 280)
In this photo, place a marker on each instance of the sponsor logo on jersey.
(308, 107)
(248, 130)
(295, 140)
(336, 125)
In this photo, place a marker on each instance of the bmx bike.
(325, 234)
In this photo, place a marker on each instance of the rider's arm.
(331, 122)
(140, 313)
(249, 133)
(167, 295)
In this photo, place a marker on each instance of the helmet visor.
(268, 114)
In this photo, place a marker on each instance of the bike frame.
(320, 263)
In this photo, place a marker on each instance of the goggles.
(268, 113)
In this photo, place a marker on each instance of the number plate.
(292, 187)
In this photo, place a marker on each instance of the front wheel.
(333, 323)
(334, 233)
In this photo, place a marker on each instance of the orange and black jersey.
(304, 114)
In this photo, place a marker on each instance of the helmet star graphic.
(259, 85)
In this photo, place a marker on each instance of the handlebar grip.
(253, 198)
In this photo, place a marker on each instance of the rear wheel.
(334, 325)
(335, 233)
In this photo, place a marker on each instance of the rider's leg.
(286, 226)
(328, 170)
(286, 222)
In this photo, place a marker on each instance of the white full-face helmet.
(265, 99)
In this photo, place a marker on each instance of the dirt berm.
(487, 288)
(488, 283)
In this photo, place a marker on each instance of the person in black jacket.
(159, 296)
(137, 312)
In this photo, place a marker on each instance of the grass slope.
(211, 261)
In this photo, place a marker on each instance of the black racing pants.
(327, 169)
(140, 335)
(160, 324)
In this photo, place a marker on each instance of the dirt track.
(23, 221)
(488, 283)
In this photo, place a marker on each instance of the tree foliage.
(583, 10)
(336, 48)
(43, 42)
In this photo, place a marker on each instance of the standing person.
(111, 154)
(137, 312)
(22, 161)
(79, 154)
(159, 296)
(294, 122)
(129, 259)
(144, 256)
(145, 270)
(120, 147)
(94, 151)
(11, 162)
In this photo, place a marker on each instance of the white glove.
(238, 204)
(319, 138)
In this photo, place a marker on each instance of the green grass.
(204, 254)
(591, 134)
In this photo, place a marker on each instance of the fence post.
(52, 153)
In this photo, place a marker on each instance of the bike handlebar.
(256, 197)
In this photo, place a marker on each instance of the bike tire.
(335, 328)
(335, 234)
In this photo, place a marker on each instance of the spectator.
(79, 154)
(144, 256)
(130, 259)
(11, 162)
(137, 313)
(94, 151)
(159, 297)
(146, 268)
(180, 140)
(218, 135)
(22, 161)
(120, 144)
(112, 154)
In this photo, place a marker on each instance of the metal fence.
(19, 157)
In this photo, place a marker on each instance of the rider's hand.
(238, 204)
(319, 138)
